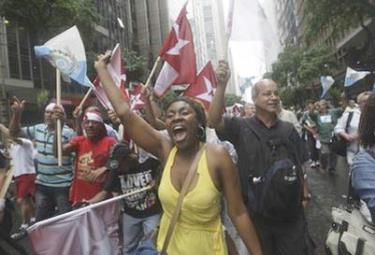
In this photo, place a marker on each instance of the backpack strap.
(348, 121)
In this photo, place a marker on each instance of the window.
(18, 52)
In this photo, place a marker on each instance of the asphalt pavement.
(328, 190)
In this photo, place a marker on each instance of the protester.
(22, 153)
(289, 116)
(308, 121)
(52, 182)
(363, 167)
(351, 134)
(141, 212)
(92, 152)
(326, 122)
(249, 110)
(198, 229)
(77, 114)
(278, 236)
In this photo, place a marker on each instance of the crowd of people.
(249, 174)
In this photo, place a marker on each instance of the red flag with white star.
(203, 88)
(117, 72)
(179, 56)
(136, 99)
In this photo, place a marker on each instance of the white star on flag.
(207, 96)
(135, 100)
(178, 55)
(180, 43)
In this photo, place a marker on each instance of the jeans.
(363, 179)
(135, 229)
(48, 198)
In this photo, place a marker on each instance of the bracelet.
(307, 197)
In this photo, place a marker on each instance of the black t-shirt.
(142, 204)
(249, 148)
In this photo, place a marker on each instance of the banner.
(90, 230)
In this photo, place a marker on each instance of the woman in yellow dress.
(199, 228)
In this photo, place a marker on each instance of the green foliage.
(286, 66)
(302, 66)
(42, 97)
(336, 14)
(135, 65)
(45, 18)
(231, 99)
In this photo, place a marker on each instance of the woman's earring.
(201, 134)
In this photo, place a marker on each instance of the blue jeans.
(48, 198)
(363, 179)
(134, 229)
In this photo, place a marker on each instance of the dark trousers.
(282, 238)
(48, 198)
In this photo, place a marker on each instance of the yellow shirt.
(198, 229)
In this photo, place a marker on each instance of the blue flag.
(67, 53)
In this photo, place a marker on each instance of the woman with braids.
(363, 175)
(199, 227)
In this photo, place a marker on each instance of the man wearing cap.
(52, 182)
(92, 152)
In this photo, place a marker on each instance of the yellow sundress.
(199, 228)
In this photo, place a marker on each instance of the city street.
(327, 191)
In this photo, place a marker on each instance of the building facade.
(140, 25)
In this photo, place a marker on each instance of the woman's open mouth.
(179, 133)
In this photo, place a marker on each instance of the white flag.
(327, 82)
(352, 76)
(89, 230)
(67, 53)
(247, 21)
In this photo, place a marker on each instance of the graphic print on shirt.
(131, 182)
(326, 119)
(83, 161)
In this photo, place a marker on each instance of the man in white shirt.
(23, 154)
(351, 134)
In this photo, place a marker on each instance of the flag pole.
(152, 71)
(85, 98)
(58, 124)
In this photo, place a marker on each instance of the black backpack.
(275, 191)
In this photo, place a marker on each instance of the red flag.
(179, 56)
(203, 88)
(136, 99)
(117, 72)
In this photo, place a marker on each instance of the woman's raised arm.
(138, 129)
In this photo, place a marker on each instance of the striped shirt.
(48, 172)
